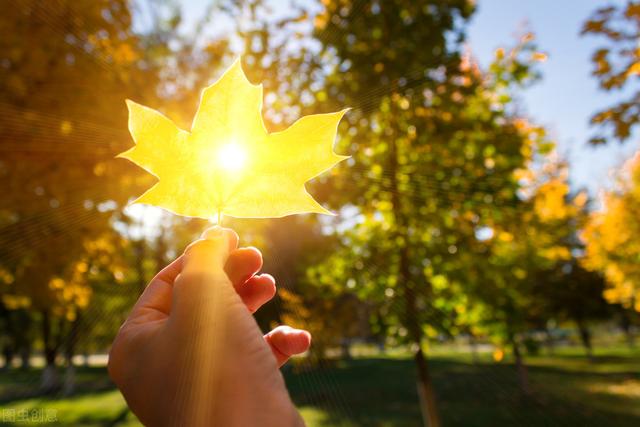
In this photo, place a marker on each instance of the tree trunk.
(70, 373)
(428, 402)
(24, 339)
(631, 341)
(345, 349)
(7, 353)
(585, 337)
(9, 348)
(625, 324)
(521, 368)
(549, 342)
(25, 357)
(49, 381)
(426, 392)
(318, 354)
(69, 384)
(473, 344)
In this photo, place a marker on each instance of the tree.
(66, 70)
(434, 148)
(575, 294)
(616, 67)
(532, 274)
(16, 332)
(364, 41)
(612, 238)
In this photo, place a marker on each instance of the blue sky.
(566, 97)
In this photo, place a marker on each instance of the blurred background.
(484, 268)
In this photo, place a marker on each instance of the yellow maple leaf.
(228, 163)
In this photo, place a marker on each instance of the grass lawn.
(568, 390)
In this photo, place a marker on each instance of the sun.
(232, 157)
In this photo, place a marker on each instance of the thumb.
(203, 283)
(209, 253)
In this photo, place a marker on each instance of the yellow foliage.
(293, 301)
(612, 238)
(6, 277)
(520, 273)
(228, 163)
(505, 236)
(634, 69)
(539, 56)
(557, 253)
(550, 200)
(581, 199)
(15, 302)
(528, 37)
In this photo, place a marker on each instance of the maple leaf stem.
(220, 218)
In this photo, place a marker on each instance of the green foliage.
(433, 166)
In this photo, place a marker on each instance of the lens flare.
(232, 157)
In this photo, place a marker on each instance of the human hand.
(190, 353)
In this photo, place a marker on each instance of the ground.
(568, 390)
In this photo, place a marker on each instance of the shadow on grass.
(24, 384)
(120, 418)
(382, 392)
